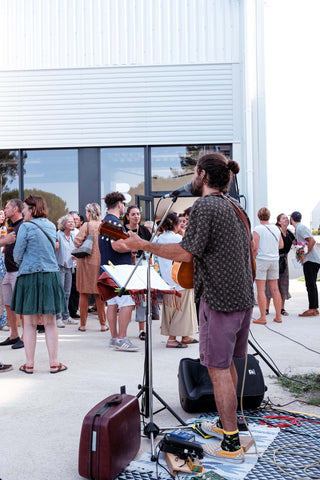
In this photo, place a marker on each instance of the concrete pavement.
(41, 414)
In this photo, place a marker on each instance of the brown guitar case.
(110, 437)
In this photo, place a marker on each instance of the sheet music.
(121, 273)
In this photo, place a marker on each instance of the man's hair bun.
(233, 166)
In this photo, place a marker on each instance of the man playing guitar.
(217, 242)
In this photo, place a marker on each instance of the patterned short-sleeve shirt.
(218, 239)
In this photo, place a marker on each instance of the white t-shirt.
(269, 242)
(165, 264)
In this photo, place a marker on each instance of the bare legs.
(273, 284)
(262, 301)
(124, 319)
(225, 394)
(261, 297)
(30, 337)
(51, 332)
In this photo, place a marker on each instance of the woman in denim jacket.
(38, 293)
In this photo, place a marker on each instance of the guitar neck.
(112, 231)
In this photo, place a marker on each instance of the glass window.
(9, 175)
(122, 169)
(53, 174)
(172, 167)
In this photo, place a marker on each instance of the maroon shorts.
(223, 335)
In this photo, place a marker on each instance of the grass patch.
(306, 387)
(302, 279)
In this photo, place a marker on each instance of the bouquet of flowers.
(301, 249)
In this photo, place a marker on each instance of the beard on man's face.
(196, 187)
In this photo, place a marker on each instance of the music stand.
(151, 429)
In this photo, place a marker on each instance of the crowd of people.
(43, 284)
(271, 245)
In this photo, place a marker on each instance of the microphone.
(186, 188)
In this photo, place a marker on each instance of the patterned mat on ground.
(288, 439)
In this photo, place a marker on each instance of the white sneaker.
(70, 321)
(60, 323)
(112, 342)
(5, 328)
(223, 456)
(125, 345)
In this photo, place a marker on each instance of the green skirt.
(40, 292)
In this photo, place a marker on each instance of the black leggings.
(310, 270)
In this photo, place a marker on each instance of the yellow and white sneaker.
(222, 456)
(211, 428)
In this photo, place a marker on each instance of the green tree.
(57, 207)
(9, 165)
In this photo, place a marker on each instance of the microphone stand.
(151, 430)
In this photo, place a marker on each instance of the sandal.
(82, 329)
(189, 341)
(104, 328)
(175, 344)
(284, 312)
(59, 368)
(142, 335)
(24, 368)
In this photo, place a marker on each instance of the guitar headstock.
(112, 231)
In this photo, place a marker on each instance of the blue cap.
(296, 216)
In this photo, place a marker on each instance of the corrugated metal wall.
(54, 34)
(118, 106)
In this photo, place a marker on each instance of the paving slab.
(41, 414)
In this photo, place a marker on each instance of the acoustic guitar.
(182, 274)
(112, 231)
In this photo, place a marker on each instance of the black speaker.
(196, 391)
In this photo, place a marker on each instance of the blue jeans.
(66, 280)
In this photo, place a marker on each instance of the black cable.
(292, 340)
(270, 403)
(160, 465)
(277, 368)
(266, 354)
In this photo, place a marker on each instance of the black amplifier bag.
(196, 391)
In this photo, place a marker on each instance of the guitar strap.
(245, 220)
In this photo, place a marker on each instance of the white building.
(315, 217)
(97, 94)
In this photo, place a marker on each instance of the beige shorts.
(8, 284)
(267, 269)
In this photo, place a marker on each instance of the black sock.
(231, 441)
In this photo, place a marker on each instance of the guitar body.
(182, 274)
